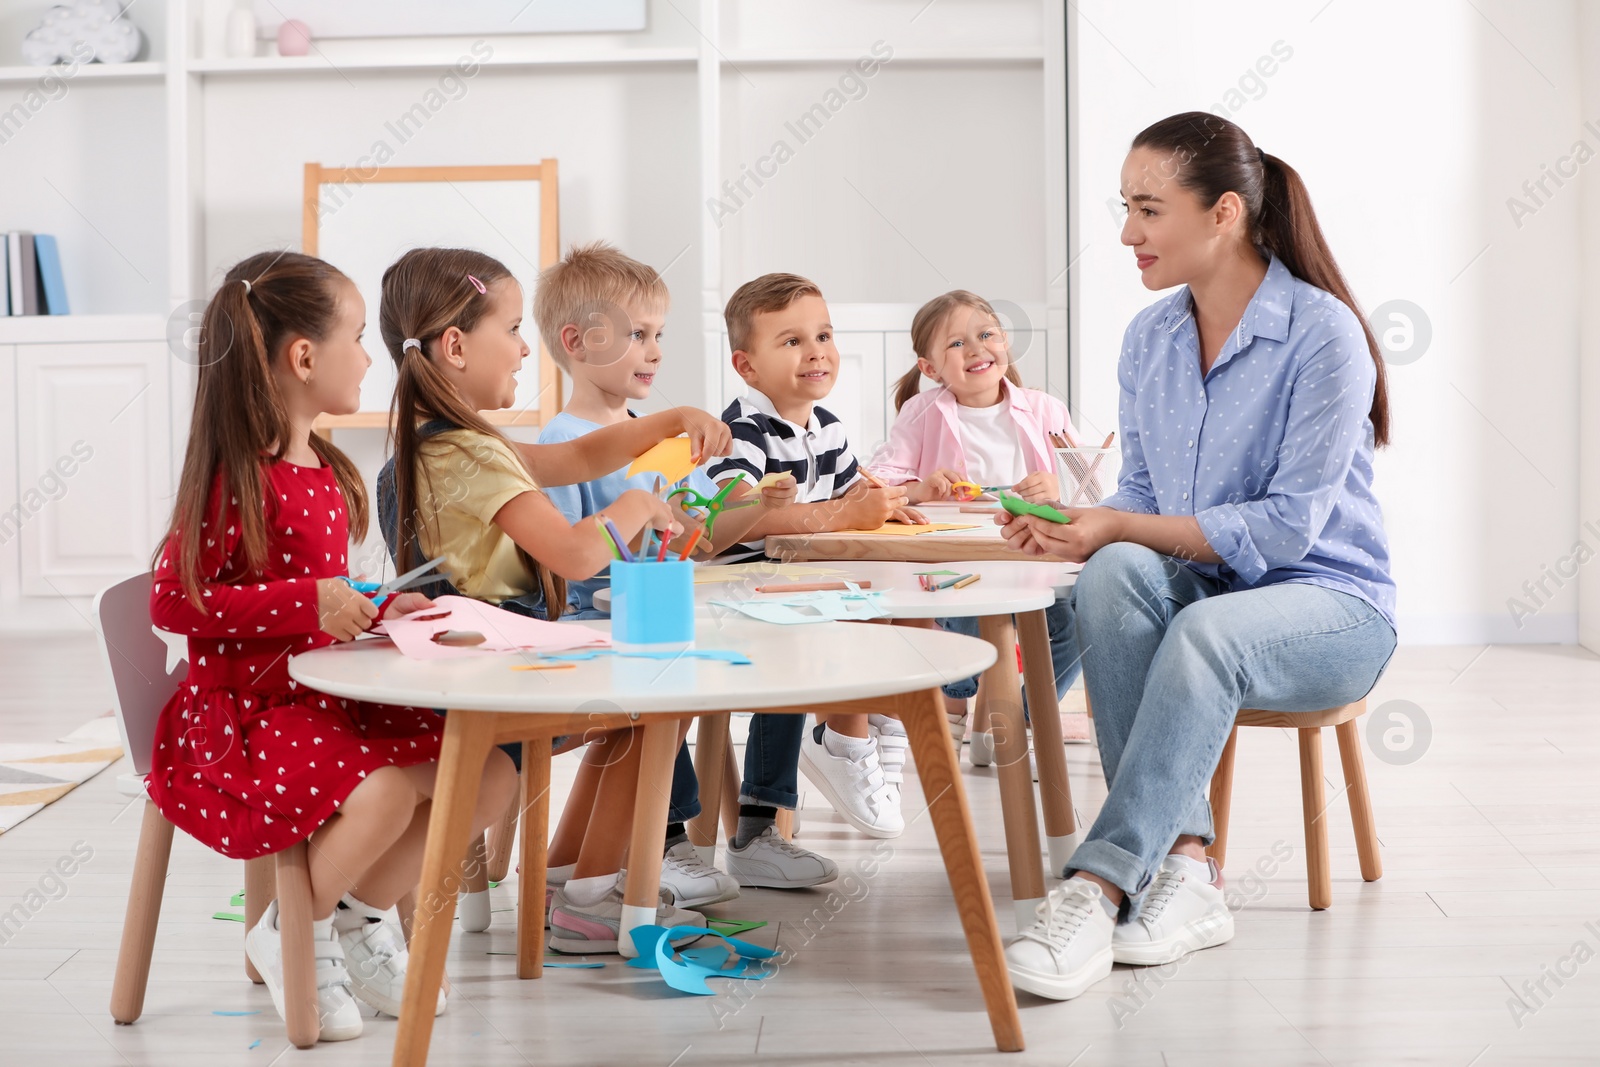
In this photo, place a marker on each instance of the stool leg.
(784, 821)
(1222, 801)
(535, 835)
(1044, 709)
(1018, 811)
(501, 841)
(710, 768)
(260, 886)
(730, 793)
(139, 922)
(299, 967)
(474, 904)
(1355, 780)
(1312, 797)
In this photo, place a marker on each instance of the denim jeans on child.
(1170, 656)
(1063, 647)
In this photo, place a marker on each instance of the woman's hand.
(1040, 485)
(1090, 530)
(342, 613)
(405, 604)
(708, 435)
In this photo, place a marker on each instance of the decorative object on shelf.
(294, 38)
(99, 24)
(241, 32)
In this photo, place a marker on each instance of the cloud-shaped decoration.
(95, 28)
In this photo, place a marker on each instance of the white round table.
(826, 666)
(1007, 588)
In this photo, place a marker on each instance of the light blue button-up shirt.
(1271, 451)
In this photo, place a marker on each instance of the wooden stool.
(1309, 725)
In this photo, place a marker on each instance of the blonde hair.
(583, 287)
(770, 292)
(924, 327)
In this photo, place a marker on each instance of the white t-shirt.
(989, 438)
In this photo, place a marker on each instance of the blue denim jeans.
(1169, 657)
(772, 761)
(1063, 648)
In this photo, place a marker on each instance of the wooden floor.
(1480, 946)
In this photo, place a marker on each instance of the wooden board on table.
(851, 546)
(906, 529)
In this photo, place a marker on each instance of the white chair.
(141, 687)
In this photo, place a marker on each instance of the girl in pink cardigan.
(979, 424)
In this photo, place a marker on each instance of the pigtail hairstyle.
(1212, 156)
(425, 292)
(924, 327)
(240, 422)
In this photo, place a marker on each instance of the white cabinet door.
(93, 462)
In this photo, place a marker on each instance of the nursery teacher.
(1242, 561)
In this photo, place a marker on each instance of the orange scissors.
(965, 490)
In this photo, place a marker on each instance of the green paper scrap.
(577, 966)
(238, 899)
(231, 916)
(734, 927)
(234, 1013)
(935, 572)
(494, 885)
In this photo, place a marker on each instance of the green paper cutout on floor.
(734, 927)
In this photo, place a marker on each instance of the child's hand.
(658, 513)
(940, 485)
(1038, 486)
(911, 516)
(780, 492)
(870, 508)
(405, 604)
(708, 435)
(342, 613)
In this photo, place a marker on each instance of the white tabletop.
(819, 663)
(1006, 587)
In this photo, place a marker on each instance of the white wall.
(1588, 226)
(1412, 124)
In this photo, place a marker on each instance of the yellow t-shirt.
(464, 478)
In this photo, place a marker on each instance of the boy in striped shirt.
(782, 342)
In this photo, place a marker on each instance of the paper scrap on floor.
(503, 631)
(831, 605)
(713, 574)
(904, 529)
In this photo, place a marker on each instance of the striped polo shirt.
(764, 442)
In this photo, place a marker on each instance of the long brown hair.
(425, 292)
(924, 329)
(1214, 156)
(240, 422)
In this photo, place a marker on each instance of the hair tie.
(246, 285)
(410, 342)
(476, 284)
(1261, 156)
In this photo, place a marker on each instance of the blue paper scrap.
(256, 1043)
(687, 971)
(738, 659)
(231, 1013)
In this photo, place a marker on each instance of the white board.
(364, 228)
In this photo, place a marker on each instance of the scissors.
(418, 576)
(965, 490)
(714, 506)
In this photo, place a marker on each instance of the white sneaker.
(1182, 913)
(981, 750)
(957, 719)
(583, 929)
(770, 862)
(375, 956)
(856, 788)
(336, 1008)
(694, 883)
(893, 744)
(1067, 949)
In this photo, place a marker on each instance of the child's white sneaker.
(582, 929)
(767, 861)
(375, 956)
(854, 786)
(893, 744)
(1183, 912)
(336, 1008)
(694, 883)
(1068, 947)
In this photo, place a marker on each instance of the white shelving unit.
(204, 167)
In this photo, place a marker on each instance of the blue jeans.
(772, 761)
(1063, 648)
(1169, 657)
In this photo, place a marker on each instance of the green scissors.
(714, 506)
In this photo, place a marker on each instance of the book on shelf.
(24, 273)
(52, 283)
(31, 275)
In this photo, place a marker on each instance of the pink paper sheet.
(503, 631)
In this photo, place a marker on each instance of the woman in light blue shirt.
(1242, 561)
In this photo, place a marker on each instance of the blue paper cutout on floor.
(738, 659)
(688, 970)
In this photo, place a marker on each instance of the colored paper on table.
(669, 458)
(715, 574)
(902, 529)
(503, 631)
(829, 605)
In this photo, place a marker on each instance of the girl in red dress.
(246, 760)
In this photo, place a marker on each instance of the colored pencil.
(621, 543)
(662, 555)
(610, 541)
(810, 587)
(962, 583)
(694, 539)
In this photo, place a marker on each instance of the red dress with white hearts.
(246, 760)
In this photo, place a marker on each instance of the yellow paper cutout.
(669, 458)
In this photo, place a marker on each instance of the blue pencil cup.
(652, 604)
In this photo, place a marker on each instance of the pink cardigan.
(926, 435)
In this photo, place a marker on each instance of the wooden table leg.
(923, 715)
(144, 910)
(642, 894)
(500, 841)
(535, 808)
(710, 762)
(1003, 692)
(260, 886)
(1044, 713)
(468, 736)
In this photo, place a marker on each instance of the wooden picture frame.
(552, 390)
